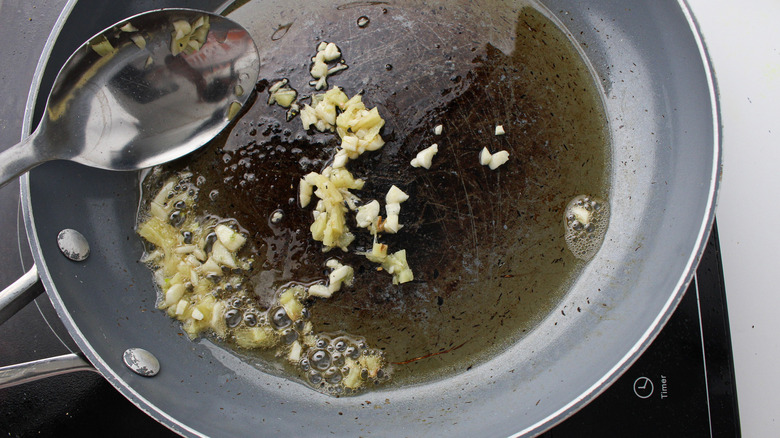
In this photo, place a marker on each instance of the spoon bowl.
(145, 91)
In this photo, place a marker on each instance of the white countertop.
(743, 40)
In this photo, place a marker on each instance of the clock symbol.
(643, 387)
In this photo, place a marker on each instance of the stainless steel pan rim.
(557, 416)
(690, 267)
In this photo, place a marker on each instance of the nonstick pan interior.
(662, 121)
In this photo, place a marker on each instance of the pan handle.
(12, 299)
(13, 375)
(19, 294)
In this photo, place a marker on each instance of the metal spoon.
(127, 99)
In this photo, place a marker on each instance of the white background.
(743, 39)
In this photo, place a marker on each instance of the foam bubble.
(585, 220)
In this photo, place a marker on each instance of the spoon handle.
(18, 159)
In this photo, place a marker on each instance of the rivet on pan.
(73, 245)
(141, 362)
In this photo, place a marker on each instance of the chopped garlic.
(200, 254)
(484, 157)
(322, 111)
(197, 315)
(340, 159)
(295, 352)
(326, 53)
(181, 27)
(378, 252)
(341, 275)
(498, 159)
(500, 130)
(285, 97)
(210, 267)
(181, 307)
(174, 294)
(320, 290)
(232, 240)
(189, 38)
(329, 225)
(193, 261)
(357, 127)
(393, 209)
(319, 69)
(233, 110)
(371, 363)
(394, 198)
(309, 117)
(101, 45)
(438, 129)
(331, 52)
(425, 156)
(281, 94)
(397, 265)
(353, 380)
(391, 224)
(128, 27)
(277, 85)
(305, 191)
(367, 214)
(221, 255)
(289, 301)
(139, 41)
(493, 160)
(194, 278)
(185, 249)
(581, 214)
(395, 195)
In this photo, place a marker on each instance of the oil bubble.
(585, 222)
(280, 319)
(176, 218)
(338, 358)
(315, 377)
(289, 336)
(332, 376)
(233, 318)
(352, 353)
(363, 21)
(320, 360)
(250, 319)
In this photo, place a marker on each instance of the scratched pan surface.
(419, 63)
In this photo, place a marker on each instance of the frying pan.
(659, 96)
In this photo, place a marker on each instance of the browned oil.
(486, 247)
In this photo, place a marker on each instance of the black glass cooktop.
(683, 385)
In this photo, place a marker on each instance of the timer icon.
(643, 387)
